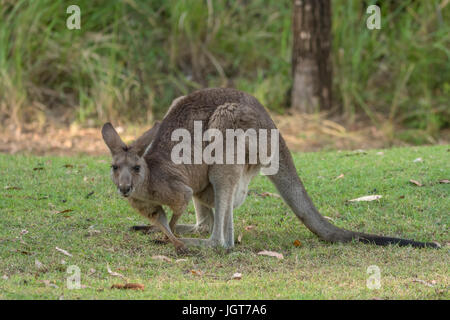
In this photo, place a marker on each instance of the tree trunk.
(311, 56)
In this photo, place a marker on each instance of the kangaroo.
(145, 174)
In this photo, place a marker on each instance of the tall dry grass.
(131, 58)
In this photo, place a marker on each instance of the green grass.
(132, 58)
(315, 270)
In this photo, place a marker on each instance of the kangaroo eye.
(114, 167)
(137, 168)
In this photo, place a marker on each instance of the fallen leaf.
(417, 183)
(197, 273)
(39, 265)
(401, 197)
(356, 153)
(24, 252)
(5, 277)
(162, 258)
(445, 181)
(268, 194)
(340, 176)
(180, 260)
(239, 239)
(38, 168)
(264, 194)
(63, 251)
(49, 284)
(297, 243)
(236, 276)
(366, 198)
(89, 194)
(425, 283)
(92, 232)
(115, 274)
(12, 188)
(131, 286)
(271, 254)
(418, 160)
(248, 228)
(68, 166)
(329, 218)
(64, 211)
(380, 153)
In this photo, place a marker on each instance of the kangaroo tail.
(293, 192)
(384, 241)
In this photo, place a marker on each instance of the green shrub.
(132, 58)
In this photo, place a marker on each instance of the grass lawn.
(71, 203)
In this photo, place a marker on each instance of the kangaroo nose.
(125, 189)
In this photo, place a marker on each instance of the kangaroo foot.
(207, 243)
(191, 229)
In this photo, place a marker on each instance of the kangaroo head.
(128, 168)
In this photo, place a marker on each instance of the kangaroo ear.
(112, 139)
(143, 142)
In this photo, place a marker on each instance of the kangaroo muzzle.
(125, 190)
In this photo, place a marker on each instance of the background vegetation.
(131, 58)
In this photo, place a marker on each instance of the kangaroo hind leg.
(224, 179)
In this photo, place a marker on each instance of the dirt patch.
(315, 132)
(301, 132)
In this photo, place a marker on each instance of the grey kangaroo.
(145, 174)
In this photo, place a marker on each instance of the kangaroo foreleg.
(204, 225)
(159, 220)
